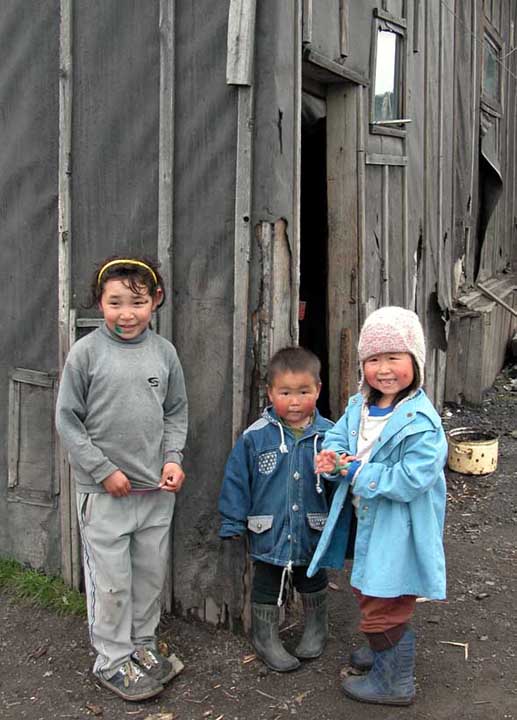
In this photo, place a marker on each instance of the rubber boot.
(390, 681)
(362, 658)
(265, 639)
(315, 633)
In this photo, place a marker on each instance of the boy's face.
(127, 313)
(293, 396)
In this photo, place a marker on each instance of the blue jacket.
(269, 489)
(398, 547)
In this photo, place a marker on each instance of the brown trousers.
(384, 620)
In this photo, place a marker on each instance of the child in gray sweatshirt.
(122, 417)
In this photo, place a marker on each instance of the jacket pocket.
(85, 507)
(261, 533)
(317, 521)
(260, 523)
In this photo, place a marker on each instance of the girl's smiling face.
(127, 313)
(389, 373)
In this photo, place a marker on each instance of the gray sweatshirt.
(121, 405)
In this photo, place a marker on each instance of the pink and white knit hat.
(391, 329)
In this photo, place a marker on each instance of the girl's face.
(127, 313)
(389, 373)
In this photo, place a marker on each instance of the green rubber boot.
(265, 639)
(315, 633)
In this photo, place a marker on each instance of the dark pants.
(268, 578)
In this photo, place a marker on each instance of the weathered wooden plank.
(380, 159)
(281, 264)
(241, 43)
(242, 243)
(166, 161)
(307, 21)
(295, 239)
(385, 236)
(69, 543)
(343, 227)
(344, 28)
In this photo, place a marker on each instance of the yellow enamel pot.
(472, 452)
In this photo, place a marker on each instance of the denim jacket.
(271, 491)
(398, 547)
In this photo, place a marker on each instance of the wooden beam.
(380, 159)
(166, 163)
(70, 561)
(242, 246)
(385, 277)
(344, 28)
(241, 42)
(307, 22)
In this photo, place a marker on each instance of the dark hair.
(375, 395)
(295, 360)
(135, 271)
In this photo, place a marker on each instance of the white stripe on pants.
(125, 550)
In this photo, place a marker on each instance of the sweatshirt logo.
(153, 381)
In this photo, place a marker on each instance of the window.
(492, 71)
(386, 81)
(388, 74)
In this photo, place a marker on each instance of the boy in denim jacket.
(270, 490)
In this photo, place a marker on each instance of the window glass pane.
(491, 69)
(386, 104)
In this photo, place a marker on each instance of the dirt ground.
(466, 648)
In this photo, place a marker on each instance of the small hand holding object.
(329, 462)
(325, 461)
(117, 484)
(172, 477)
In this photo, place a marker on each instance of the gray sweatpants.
(125, 550)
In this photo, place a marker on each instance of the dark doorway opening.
(314, 239)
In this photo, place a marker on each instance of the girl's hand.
(344, 460)
(117, 484)
(325, 461)
(172, 477)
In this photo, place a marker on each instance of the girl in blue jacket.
(388, 450)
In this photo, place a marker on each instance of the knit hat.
(391, 329)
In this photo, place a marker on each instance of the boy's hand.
(325, 461)
(172, 477)
(117, 484)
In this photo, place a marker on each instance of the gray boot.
(265, 639)
(362, 658)
(315, 633)
(390, 681)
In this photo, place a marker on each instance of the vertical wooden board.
(473, 390)
(373, 260)
(282, 273)
(415, 150)
(455, 359)
(396, 232)
(431, 169)
(445, 296)
(326, 35)
(343, 226)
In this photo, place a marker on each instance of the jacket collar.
(405, 413)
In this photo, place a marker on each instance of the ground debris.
(94, 709)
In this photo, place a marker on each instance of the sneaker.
(154, 664)
(131, 683)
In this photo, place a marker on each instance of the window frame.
(383, 20)
(494, 39)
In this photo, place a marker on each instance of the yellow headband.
(125, 261)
